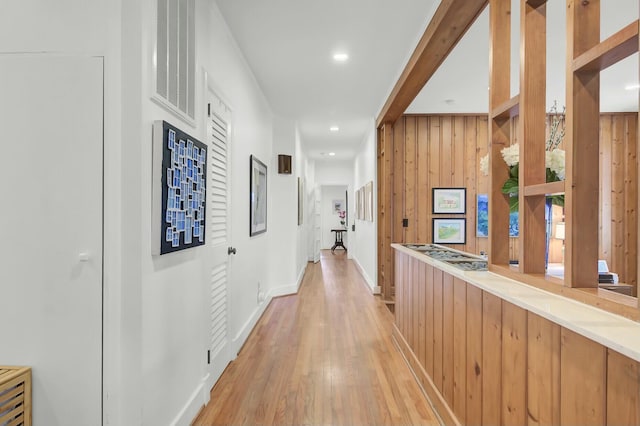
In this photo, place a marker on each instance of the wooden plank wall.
(423, 152)
(618, 194)
(437, 151)
(490, 362)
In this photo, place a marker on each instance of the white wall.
(333, 172)
(96, 28)
(156, 321)
(175, 320)
(289, 240)
(364, 241)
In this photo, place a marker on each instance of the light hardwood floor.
(322, 357)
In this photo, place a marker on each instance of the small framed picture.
(449, 200)
(449, 231)
(257, 197)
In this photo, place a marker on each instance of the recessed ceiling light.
(334, 128)
(340, 57)
(332, 154)
(632, 87)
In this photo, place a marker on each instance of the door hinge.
(209, 110)
(405, 223)
(209, 356)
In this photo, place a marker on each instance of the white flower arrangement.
(484, 165)
(554, 160)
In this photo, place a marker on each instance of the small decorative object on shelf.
(342, 214)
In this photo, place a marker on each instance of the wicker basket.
(15, 396)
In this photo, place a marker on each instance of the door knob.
(231, 250)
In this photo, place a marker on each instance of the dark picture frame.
(449, 230)
(449, 200)
(179, 189)
(257, 197)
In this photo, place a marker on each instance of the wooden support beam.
(448, 25)
(499, 127)
(582, 145)
(506, 110)
(619, 46)
(550, 188)
(532, 136)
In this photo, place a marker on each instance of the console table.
(338, 241)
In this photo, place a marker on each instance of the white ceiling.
(289, 45)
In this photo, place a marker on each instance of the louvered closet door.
(220, 353)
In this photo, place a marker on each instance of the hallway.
(324, 356)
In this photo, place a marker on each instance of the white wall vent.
(175, 70)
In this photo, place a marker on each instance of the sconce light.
(284, 164)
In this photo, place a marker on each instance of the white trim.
(372, 285)
(248, 326)
(190, 410)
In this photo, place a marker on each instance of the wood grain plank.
(421, 352)
(447, 338)
(631, 203)
(429, 354)
(459, 405)
(543, 378)
(423, 211)
(446, 151)
(605, 159)
(581, 140)
(617, 194)
(582, 380)
(491, 359)
(398, 181)
(415, 302)
(457, 145)
(410, 178)
(619, 46)
(400, 289)
(474, 365)
(438, 317)
(471, 170)
(623, 390)
(499, 128)
(514, 364)
(532, 137)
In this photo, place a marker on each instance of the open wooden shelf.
(619, 46)
(549, 188)
(510, 108)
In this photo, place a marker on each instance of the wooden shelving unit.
(587, 56)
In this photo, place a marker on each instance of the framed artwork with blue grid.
(179, 189)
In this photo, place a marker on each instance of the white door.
(218, 128)
(51, 114)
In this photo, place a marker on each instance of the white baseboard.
(192, 407)
(248, 326)
(372, 285)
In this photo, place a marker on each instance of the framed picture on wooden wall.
(449, 231)
(449, 200)
(482, 219)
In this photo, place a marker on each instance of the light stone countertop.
(610, 330)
